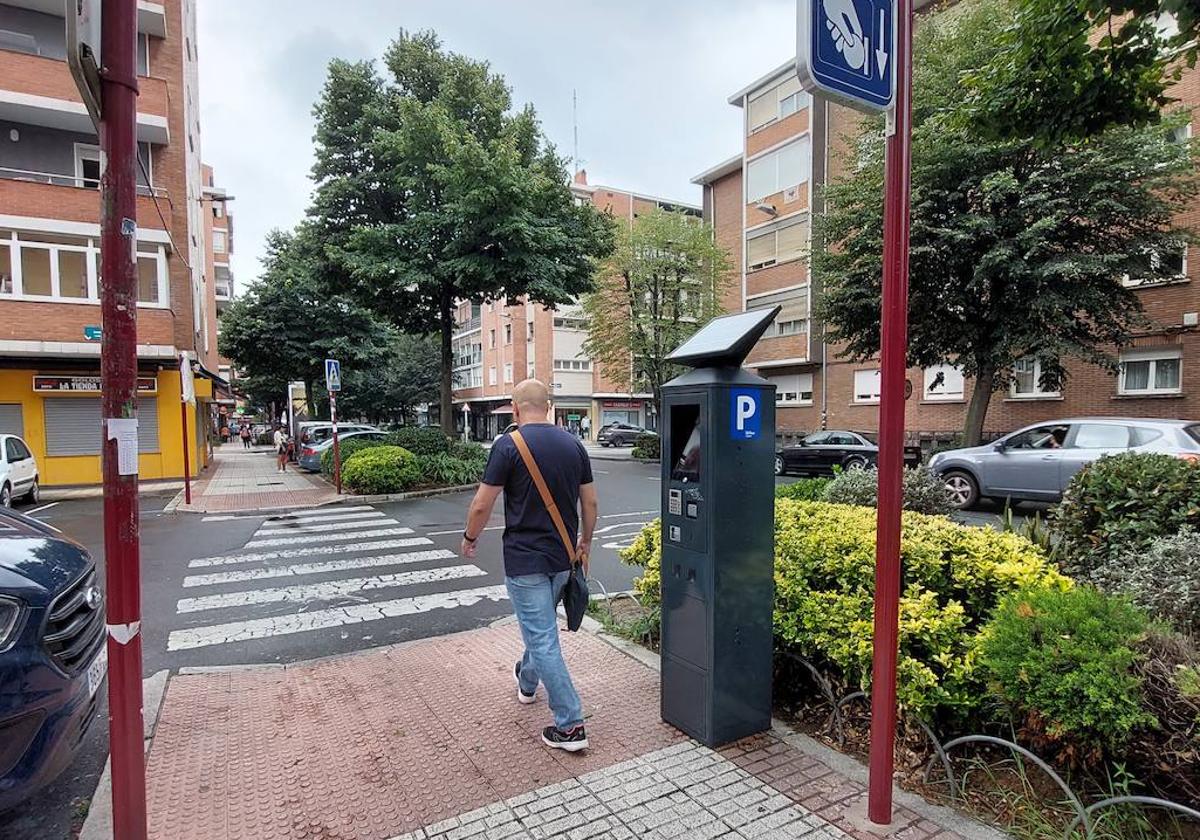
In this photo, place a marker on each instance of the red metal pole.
(187, 465)
(337, 452)
(894, 341)
(118, 374)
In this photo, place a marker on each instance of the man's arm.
(589, 509)
(478, 514)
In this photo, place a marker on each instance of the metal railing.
(59, 179)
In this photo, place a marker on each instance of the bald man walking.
(536, 562)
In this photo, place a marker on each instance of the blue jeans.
(534, 599)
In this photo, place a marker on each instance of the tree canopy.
(1019, 248)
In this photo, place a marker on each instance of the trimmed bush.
(1164, 580)
(468, 452)
(824, 583)
(804, 490)
(648, 446)
(924, 492)
(1062, 660)
(348, 448)
(1115, 507)
(449, 471)
(381, 469)
(420, 440)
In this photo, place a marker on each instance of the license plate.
(97, 670)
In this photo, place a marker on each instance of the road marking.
(321, 527)
(314, 538)
(303, 513)
(43, 507)
(303, 593)
(459, 531)
(294, 553)
(630, 513)
(295, 570)
(261, 628)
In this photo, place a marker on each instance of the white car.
(18, 471)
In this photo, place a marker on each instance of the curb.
(98, 824)
(173, 505)
(947, 818)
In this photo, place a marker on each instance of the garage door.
(73, 426)
(12, 421)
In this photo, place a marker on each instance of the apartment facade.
(50, 168)
(499, 343)
(760, 203)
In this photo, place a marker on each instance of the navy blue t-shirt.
(531, 542)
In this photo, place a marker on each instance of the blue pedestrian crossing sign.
(333, 376)
(844, 51)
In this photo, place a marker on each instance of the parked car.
(310, 453)
(52, 653)
(1037, 462)
(320, 432)
(820, 452)
(620, 434)
(18, 472)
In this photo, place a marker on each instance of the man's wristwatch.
(469, 539)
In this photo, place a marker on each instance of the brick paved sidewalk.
(426, 740)
(242, 479)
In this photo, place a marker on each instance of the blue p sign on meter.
(745, 419)
(844, 51)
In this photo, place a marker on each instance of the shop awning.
(504, 409)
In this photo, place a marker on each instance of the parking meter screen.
(685, 443)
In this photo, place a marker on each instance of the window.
(72, 274)
(148, 289)
(775, 103)
(943, 383)
(778, 170)
(492, 341)
(1158, 267)
(218, 209)
(573, 364)
(792, 318)
(1041, 437)
(1027, 380)
(65, 268)
(781, 243)
(568, 323)
(220, 243)
(793, 327)
(508, 333)
(866, 386)
(508, 372)
(6, 272)
(1145, 372)
(492, 375)
(1180, 134)
(1101, 436)
(88, 166)
(35, 271)
(796, 389)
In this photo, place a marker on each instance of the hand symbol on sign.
(841, 19)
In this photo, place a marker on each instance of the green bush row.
(647, 446)
(379, 468)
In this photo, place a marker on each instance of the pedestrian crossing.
(323, 569)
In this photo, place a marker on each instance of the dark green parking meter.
(718, 535)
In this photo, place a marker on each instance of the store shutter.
(73, 425)
(12, 421)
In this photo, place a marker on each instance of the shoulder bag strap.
(544, 492)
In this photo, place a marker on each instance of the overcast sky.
(652, 76)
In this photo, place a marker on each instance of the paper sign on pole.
(186, 379)
(125, 431)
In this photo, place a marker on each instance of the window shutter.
(12, 422)
(763, 109)
(760, 250)
(793, 241)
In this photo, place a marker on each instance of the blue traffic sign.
(333, 375)
(844, 51)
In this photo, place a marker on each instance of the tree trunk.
(447, 385)
(309, 402)
(981, 395)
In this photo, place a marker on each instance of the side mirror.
(1000, 446)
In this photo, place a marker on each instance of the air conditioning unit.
(790, 195)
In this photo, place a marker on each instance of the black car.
(820, 452)
(52, 655)
(620, 434)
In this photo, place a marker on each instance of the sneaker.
(573, 740)
(522, 697)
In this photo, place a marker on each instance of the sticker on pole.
(333, 376)
(844, 51)
(745, 414)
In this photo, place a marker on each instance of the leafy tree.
(288, 322)
(665, 279)
(431, 189)
(1018, 249)
(389, 391)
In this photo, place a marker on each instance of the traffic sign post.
(859, 53)
(333, 384)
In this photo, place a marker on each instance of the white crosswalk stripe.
(323, 526)
(295, 553)
(315, 513)
(335, 537)
(298, 569)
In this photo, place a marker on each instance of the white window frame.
(1037, 393)
(508, 373)
(89, 246)
(1153, 357)
(1155, 261)
(791, 388)
(492, 375)
(876, 392)
(803, 100)
(773, 232)
(221, 238)
(87, 151)
(930, 373)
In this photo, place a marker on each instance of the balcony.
(151, 17)
(44, 195)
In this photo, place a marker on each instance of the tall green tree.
(289, 321)
(664, 281)
(389, 392)
(431, 189)
(1019, 249)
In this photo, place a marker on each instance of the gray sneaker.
(522, 697)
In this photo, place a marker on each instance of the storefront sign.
(574, 418)
(85, 385)
(628, 405)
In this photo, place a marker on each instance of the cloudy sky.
(652, 78)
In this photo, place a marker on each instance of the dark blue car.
(52, 654)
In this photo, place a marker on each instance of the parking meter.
(718, 535)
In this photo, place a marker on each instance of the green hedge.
(421, 440)
(381, 469)
(803, 490)
(347, 448)
(924, 492)
(647, 446)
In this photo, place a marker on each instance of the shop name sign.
(84, 384)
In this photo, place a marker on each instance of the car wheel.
(779, 468)
(855, 462)
(604, 444)
(964, 490)
(35, 493)
(5, 496)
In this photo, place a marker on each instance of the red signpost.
(894, 349)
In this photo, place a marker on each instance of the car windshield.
(1043, 437)
(1193, 432)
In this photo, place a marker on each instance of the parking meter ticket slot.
(693, 510)
(675, 502)
(124, 430)
(674, 533)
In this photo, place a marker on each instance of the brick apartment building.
(760, 203)
(499, 343)
(50, 166)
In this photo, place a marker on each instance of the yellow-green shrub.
(953, 577)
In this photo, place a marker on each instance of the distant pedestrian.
(280, 439)
(245, 433)
(585, 426)
(537, 555)
(225, 433)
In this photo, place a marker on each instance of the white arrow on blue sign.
(844, 51)
(333, 375)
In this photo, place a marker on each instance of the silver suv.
(1036, 463)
